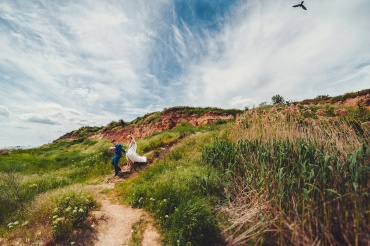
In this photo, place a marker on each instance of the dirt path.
(112, 223)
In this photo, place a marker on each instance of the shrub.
(115, 124)
(12, 196)
(277, 99)
(62, 211)
(4, 152)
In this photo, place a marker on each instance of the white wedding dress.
(132, 155)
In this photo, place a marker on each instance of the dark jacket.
(118, 151)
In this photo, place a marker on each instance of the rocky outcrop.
(169, 120)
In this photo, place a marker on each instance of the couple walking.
(131, 155)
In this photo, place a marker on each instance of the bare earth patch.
(112, 223)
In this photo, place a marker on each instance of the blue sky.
(68, 64)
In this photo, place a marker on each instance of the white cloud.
(271, 49)
(82, 63)
(75, 63)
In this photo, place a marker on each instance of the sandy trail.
(113, 222)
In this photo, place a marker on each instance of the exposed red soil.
(168, 121)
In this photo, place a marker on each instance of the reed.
(308, 177)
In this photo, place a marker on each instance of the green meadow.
(278, 175)
(50, 171)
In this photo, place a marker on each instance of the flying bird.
(300, 5)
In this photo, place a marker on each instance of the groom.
(117, 155)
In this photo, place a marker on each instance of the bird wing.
(296, 5)
(304, 7)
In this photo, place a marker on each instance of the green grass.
(24, 174)
(61, 213)
(138, 229)
(180, 193)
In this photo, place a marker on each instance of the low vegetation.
(25, 175)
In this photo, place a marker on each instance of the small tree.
(122, 123)
(277, 99)
(322, 97)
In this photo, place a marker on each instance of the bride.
(131, 154)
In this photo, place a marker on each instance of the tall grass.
(294, 179)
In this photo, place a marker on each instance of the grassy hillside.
(279, 175)
(49, 172)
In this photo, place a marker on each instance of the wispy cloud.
(90, 62)
(270, 48)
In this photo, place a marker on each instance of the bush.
(277, 99)
(68, 212)
(12, 196)
(64, 210)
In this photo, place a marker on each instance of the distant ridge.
(171, 117)
(155, 122)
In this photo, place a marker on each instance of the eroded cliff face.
(168, 121)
